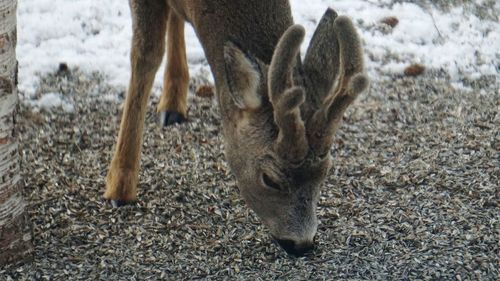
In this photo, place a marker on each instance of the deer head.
(280, 121)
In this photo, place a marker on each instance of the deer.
(279, 113)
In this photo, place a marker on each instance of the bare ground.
(413, 194)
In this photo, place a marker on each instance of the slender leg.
(173, 102)
(148, 46)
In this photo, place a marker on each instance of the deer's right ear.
(244, 76)
(321, 63)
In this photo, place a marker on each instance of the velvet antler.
(286, 99)
(321, 127)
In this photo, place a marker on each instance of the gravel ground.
(413, 193)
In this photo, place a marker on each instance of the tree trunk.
(15, 238)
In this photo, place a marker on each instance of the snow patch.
(95, 36)
(52, 101)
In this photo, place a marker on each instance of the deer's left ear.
(244, 76)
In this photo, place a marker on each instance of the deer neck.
(255, 26)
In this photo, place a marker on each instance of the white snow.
(50, 101)
(95, 36)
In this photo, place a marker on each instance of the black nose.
(295, 249)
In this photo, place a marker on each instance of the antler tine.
(351, 82)
(284, 59)
(291, 143)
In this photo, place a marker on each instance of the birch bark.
(15, 238)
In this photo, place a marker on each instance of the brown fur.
(279, 118)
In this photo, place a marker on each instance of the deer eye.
(270, 183)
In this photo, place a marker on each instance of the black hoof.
(168, 118)
(119, 203)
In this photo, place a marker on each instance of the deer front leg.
(173, 102)
(149, 25)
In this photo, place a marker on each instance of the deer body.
(278, 116)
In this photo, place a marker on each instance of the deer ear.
(244, 76)
(321, 63)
